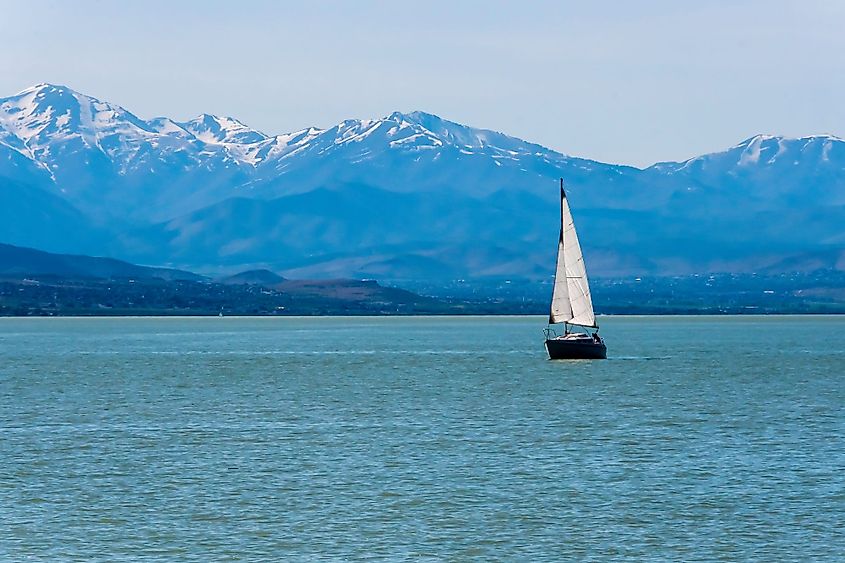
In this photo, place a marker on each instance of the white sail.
(571, 300)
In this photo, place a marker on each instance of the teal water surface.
(700, 439)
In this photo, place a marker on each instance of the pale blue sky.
(630, 82)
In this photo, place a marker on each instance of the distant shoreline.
(87, 286)
(420, 315)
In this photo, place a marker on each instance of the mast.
(571, 301)
(561, 310)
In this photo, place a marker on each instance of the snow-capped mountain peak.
(766, 150)
(47, 113)
(419, 131)
(216, 130)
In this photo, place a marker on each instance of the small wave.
(294, 352)
(644, 358)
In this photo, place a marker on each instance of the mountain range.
(406, 197)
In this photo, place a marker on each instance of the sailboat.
(571, 302)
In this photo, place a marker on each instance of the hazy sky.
(628, 81)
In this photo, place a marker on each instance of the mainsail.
(571, 301)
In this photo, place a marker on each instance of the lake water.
(294, 439)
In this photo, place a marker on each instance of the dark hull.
(575, 350)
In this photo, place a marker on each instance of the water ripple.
(419, 439)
